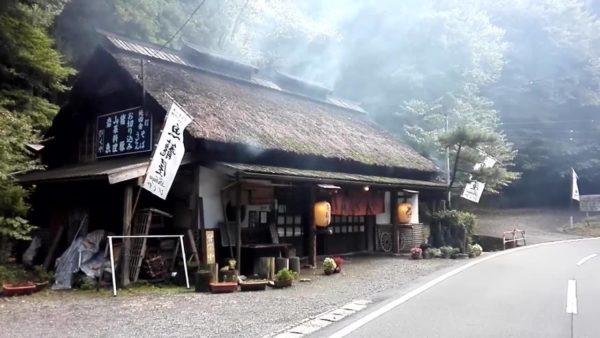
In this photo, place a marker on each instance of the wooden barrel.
(281, 263)
(203, 280)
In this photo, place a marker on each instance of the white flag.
(168, 153)
(574, 186)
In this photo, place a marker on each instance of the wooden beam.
(127, 216)
(312, 230)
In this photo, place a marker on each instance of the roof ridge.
(176, 57)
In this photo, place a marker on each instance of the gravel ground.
(541, 225)
(187, 314)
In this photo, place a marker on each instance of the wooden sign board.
(589, 203)
(210, 247)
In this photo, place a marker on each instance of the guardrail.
(513, 237)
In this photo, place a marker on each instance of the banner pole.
(112, 265)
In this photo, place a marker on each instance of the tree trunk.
(454, 171)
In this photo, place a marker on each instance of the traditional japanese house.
(262, 150)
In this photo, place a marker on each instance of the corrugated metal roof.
(325, 176)
(146, 50)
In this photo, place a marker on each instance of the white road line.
(586, 258)
(402, 299)
(572, 296)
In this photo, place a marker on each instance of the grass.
(12, 273)
(588, 227)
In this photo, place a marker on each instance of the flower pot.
(282, 283)
(223, 287)
(328, 272)
(253, 285)
(18, 289)
(41, 285)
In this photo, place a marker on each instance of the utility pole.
(448, 163)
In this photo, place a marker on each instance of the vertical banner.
(574, 186)
(168, 153)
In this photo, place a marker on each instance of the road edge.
(413, 293)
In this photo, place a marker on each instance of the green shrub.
(286, 275)
(452, 227)
(476, 250)
(446, 251)
(329, 265)
(454, 253)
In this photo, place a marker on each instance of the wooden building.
(262, 149)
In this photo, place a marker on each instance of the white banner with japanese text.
(168, 153)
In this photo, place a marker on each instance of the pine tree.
(32, 72)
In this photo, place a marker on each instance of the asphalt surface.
(519, 293)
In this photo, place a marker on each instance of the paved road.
(519, 294)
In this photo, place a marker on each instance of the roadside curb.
(404, 298)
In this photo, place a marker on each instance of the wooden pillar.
(312, 230)
(238, 239)
(394, 221)
(370, 232)
(198, 212)
(127, 217)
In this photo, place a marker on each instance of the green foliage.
(12, 274)
(477, 250)
(31, 72)
(456, 219)
(433, 253)
(285, 275)
(454, 253)
(329, 265)
(446, 251)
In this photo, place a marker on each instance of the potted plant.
(223, 287)
(476, 250)
(228, 273)
(253, 285)
(329, 266)
(416, 252)
(284, 278)
(339, 262)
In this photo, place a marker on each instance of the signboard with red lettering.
(168, 153)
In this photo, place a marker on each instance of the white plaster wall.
(414, 200)
(385, 217)
(211, 182)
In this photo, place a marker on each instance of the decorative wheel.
(385, 241)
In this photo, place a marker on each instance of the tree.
(251, 30)
(32, 72)
(469, 146)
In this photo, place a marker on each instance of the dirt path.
(541, 225)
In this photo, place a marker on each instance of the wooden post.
(369, 231)
(312, 230)
(394, 222)
(198, 209)
(127, 216)
(55, 241)
(238, 240)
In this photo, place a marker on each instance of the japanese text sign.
(124, 132)
(168, 154)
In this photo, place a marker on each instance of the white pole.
(187, 280)
(112, 265)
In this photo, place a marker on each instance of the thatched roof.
(247, 112)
